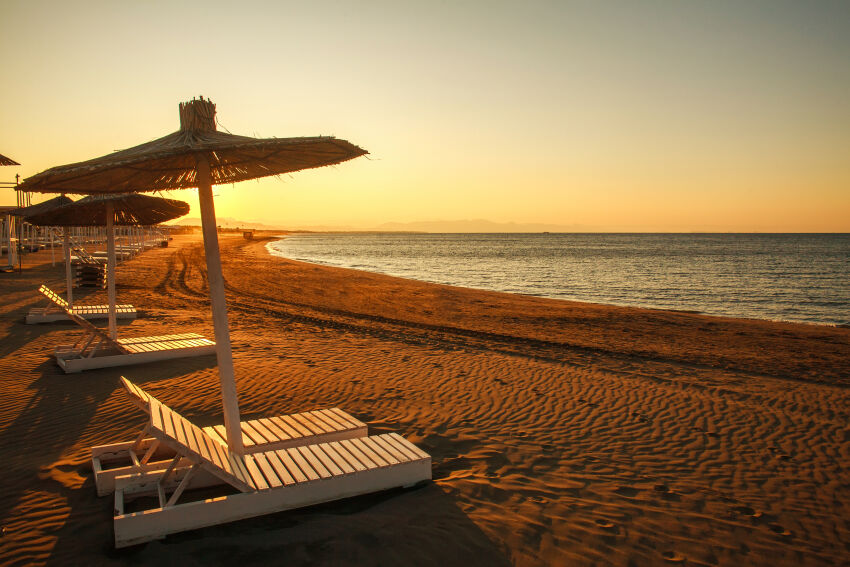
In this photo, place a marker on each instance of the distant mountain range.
(477, 225)
(466, 225)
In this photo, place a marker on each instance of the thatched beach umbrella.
(198, 156)
(46, 206)
(42, 207)
(7, 224)
(128, 209)
(7, 161)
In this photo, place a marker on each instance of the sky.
(649, 116)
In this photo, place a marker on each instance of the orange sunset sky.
(608, 116)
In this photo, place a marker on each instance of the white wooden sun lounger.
(57, 308)
(264, 482)
(95, 349)
(147, 455)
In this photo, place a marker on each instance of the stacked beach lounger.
(88, 270)
(335, 460)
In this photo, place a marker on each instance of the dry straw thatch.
(198, 156)
(128, 209)
(170, 162)
(7, 161)
(39, 208)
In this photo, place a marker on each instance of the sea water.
(781, 277)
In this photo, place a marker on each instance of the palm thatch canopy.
(128, 209)
(170, 162)
(7, 161)
(39, 208)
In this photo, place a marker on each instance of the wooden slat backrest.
(103, 335)
(178, 433)
(62, 304)
(137, 394)
(53, 296)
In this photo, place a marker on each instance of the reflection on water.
(788, 277)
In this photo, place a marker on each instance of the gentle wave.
(782, 277)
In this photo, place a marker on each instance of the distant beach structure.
(782, 277)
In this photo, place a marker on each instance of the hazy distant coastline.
(476, 226)
(464, 225)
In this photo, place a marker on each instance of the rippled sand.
(561, 433)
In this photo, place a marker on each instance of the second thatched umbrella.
(46, 206)
(128, 209)
(199, 156)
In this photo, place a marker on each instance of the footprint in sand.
(640, 416)
(666, 492)
(779, 529)
(627, 491)
(748, 511)
(673, 557)
(779, 454)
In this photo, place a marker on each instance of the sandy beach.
(561, 433)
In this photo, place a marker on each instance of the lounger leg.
(170, 469)
(182, 486)
(140, 438)
(94, 348)
(84, 340)
(138, 443)
(151, 450)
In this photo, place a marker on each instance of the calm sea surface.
(783, 277)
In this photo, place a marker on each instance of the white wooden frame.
(147, 455)
(81, 355)
(268, 482)
(90, 349)
(57, 308)
(156, 523)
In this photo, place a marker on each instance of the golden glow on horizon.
(622, 116)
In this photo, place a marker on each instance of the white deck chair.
(147, 455)
(57, 308)
(257, 484)
(95, 348)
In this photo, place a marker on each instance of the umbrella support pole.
(110, 269)
(232, 422)
(69, 282)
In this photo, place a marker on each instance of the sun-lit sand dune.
(561, 433)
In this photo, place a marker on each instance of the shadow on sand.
(418, 526)
(48, 422)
